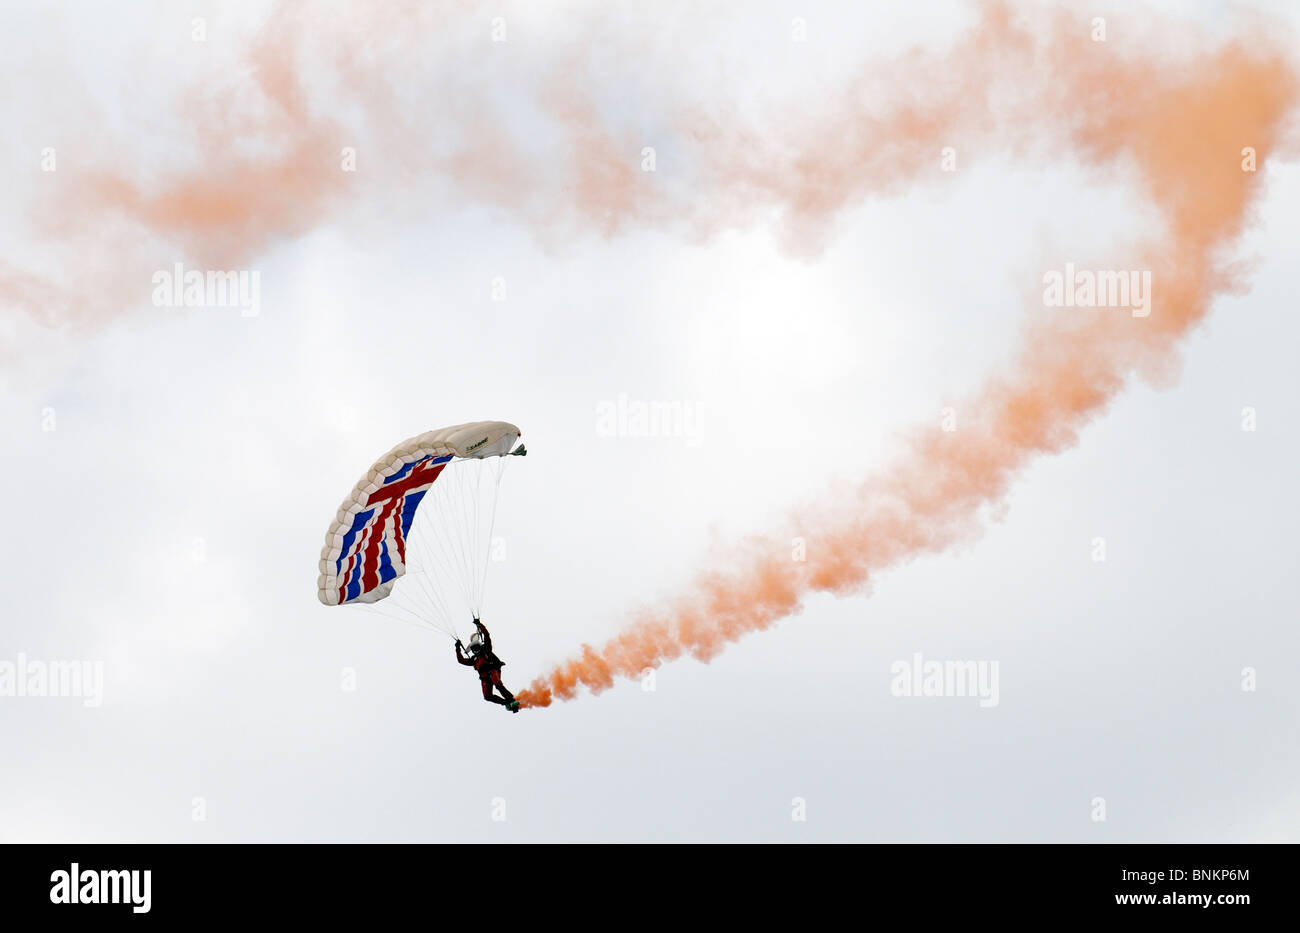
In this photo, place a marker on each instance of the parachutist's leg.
(501, 688)
(488, 695)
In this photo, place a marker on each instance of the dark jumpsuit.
(488, 666)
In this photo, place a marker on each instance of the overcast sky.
(171, 473)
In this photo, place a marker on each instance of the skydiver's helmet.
(476, 643)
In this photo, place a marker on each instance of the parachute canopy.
(450, 476)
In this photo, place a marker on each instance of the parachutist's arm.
(487, 639)
(463, 659)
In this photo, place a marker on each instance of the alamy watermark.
(195, 288)
(918, 677)
(78, 885)
(629, 417)
(1127, 290)
(31, 677)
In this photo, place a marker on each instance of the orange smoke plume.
(1181, 126)
(254, 146)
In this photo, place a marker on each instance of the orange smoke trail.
(1182, 127)
(264, 167)
(251, 155)
(260, 144)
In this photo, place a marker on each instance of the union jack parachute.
(429, 570)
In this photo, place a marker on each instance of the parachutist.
(488, 666)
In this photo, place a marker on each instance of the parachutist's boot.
(513, 706)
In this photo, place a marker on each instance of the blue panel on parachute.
(408, 510)
(358, 523)
(386, 571)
